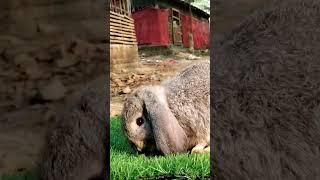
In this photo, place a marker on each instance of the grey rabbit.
(173, 117)
(75, 146)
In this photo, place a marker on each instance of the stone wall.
(48, 48)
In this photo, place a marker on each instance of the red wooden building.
(167, 22)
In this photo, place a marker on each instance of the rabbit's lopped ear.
(168, 134)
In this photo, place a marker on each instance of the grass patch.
(204, 52)
(125, 162)
(150, 50)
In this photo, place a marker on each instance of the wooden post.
(124, 7)
(129, 7)
(191, 30)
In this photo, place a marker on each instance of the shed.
(167, 22)
(123, 42)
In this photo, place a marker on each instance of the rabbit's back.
(188, 98)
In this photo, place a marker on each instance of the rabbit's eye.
(139, 121)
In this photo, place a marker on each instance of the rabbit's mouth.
(146, 147)
(137, 145)
(139, 149)
(150, 149)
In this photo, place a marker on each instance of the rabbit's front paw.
(200, 149)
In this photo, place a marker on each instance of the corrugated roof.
(180, 2)
(202, 12)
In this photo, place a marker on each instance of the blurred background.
(48, 50)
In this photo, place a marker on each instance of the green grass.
(127, 164)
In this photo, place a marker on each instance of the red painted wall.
(151, 26)
(200, 32)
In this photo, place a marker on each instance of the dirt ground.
(22, 132)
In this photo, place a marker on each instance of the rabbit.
(173, 117)
(75, 146)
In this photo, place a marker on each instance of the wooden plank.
(120, 34)
(122, 27)
(120, 3)
(117, 23)
(176, 18)
(123, 39)
(121, 22)
(123, 5)
(116, 28)
(121, 18)
(120, 15)
(125, 31)
(118, 10)
(122, 42)
(129, 7)
(114, 13)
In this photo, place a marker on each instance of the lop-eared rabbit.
(173, 117)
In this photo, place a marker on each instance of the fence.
(121, 24)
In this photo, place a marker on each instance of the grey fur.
(76, 145)
(176, 113)
(266, 95)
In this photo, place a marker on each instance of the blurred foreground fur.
(266, 95)
(75, 146)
